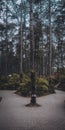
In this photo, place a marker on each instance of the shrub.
(3, 82)
(42, 81)
(41, 90)
(61, 78)
(24, 89)
(13, 81)
(62, 82)
(26, 79)
(42, 86)
(24, 85)
(54, 79)
(51, 85)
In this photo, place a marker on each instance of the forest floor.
(14, 115)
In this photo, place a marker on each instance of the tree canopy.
(20, 25)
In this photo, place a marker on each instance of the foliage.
(3, 82)
(42, 81)
(59, 79)
(13, 81)
(14, 78)
(22, 84)
(24, 89)
(26, 79)
(9, 82)
(42, 86)
(41, 90)
(10, 49)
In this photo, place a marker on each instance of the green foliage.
(42, 81)
(52, 83)
(41, 90)
(24, 89)
(26, 79)
(9, 82)
(13, 81)
(3, 82)
(54, 79)
(61, 77)
(25, 86)
(58, 78)
(42, 86)
(61, 80)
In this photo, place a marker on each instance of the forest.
(32, 38)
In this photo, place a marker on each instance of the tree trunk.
(50, 41)
(33, 96)
(21, 40)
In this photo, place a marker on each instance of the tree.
(48, 36)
